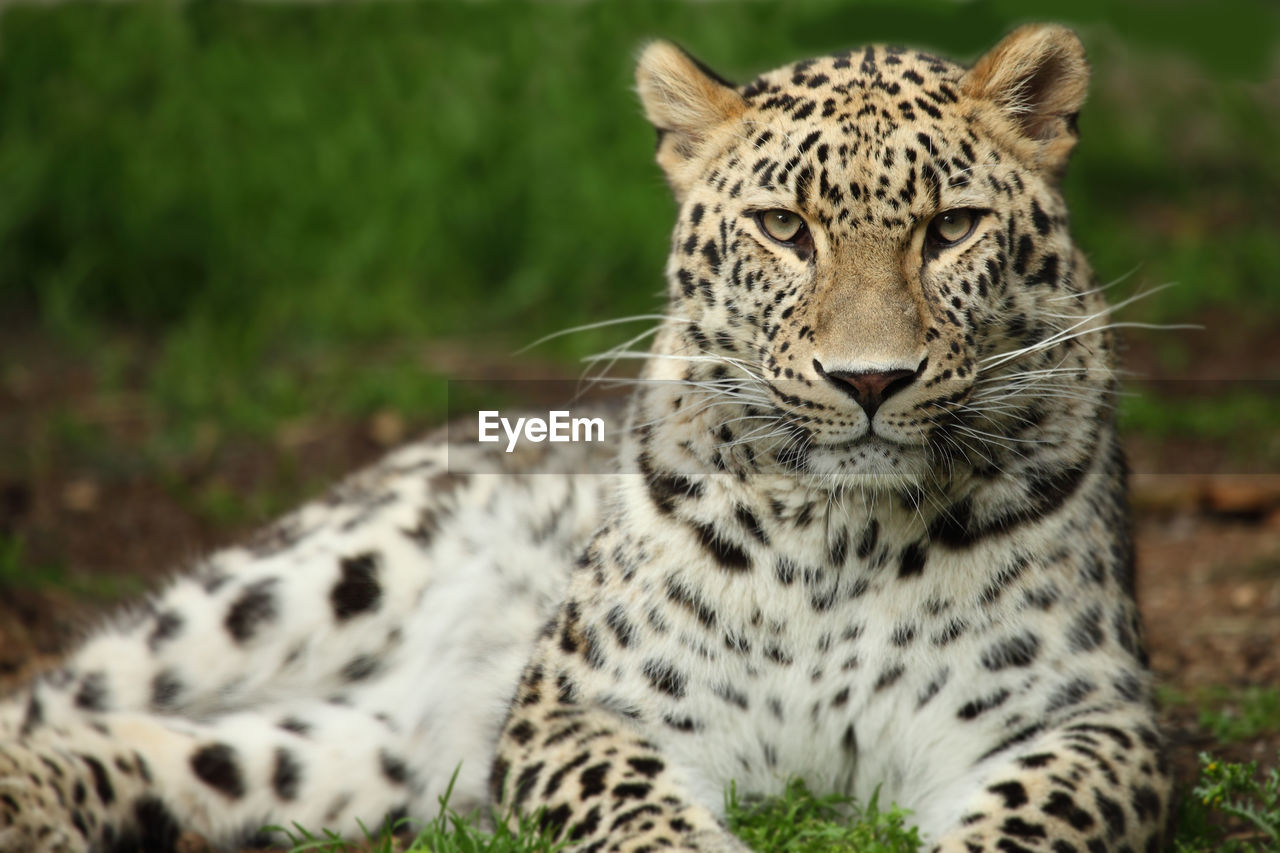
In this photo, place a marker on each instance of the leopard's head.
(873, 249)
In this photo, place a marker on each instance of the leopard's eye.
(781, 225)
(952, 226)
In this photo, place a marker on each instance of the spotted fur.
(867, 529)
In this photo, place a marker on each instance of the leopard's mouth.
(869, 440)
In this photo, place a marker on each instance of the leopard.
(865, 527)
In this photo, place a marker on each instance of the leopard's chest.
(853, 678)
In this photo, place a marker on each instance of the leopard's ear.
(685, 102)
(1037, 77)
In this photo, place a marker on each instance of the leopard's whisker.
(587, 327)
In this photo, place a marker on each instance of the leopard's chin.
(871, 463)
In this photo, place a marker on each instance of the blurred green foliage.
(1231, 714)
(1233, 808)
(17, 572)
(280, 198)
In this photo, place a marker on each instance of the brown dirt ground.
(1208, 545)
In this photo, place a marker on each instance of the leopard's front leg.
(588, 770)
(1098, 782)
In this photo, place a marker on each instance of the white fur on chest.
(860, 696)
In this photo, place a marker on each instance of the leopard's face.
(867, 234)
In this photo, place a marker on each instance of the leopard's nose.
(869, 388)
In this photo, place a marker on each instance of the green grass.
(796, 822)
(800, 822)
(281, 201)
(448, 832)
(1232, 808)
